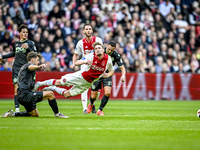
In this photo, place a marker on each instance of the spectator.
(53, 61)
(165, 7)
(30, 11)
(158, 65)
(47, 6)
(56, 12)
(5, 67)
(47, 53)
(15, 8)
(17, 19)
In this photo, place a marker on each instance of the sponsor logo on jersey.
(19, 49)
(103, 63)
(94, 67)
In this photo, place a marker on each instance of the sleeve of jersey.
(32, 47)
(119, 60)
(78, 48)
(110, 66)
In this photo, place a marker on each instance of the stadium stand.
(154, 36)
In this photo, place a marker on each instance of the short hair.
(23, 26)
(87, 25)
(112, 43)
(33, 55)
(97, 43)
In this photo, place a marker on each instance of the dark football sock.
(22, 114)
(54, 105)
(103, 102)
(92, 100)
(16, 102)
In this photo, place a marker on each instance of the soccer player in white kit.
(97, 64)
(85, 47)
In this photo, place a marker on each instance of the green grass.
(127, 125)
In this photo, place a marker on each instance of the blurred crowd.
(155, 36)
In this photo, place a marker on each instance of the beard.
(88, 35)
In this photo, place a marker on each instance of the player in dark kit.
(107, 82)
(20, 51)
(25, 96)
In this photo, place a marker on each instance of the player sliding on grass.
(97, 64)
(25, 96)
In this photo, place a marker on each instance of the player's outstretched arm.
(35, 67)
(7, 56)
(81, 62)
(123, 73)
(75, 57)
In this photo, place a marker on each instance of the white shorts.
(78, 82)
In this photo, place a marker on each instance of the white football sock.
(84, 99)
(47, 82)
(59, 90)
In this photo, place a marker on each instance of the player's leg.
(84, 99)
(107, 84)
(49, 82)
(15, 99)
(14, 79)
(53, 104)
(94, 92)
(107, 92)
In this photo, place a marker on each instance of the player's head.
(87, 30)
(110, 47)
(33, 58)
(98, 48)
(23, 32)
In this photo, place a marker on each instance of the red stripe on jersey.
(88, 45)
(97, 68)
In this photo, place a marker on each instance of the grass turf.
(127, 125)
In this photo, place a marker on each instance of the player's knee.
(51, 94)
(93, 96)
(35, 115)
(107, 94)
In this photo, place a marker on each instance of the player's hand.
(25, 46)
(123, 78)
(43, 65)
(105, 75)
(72, 66)
(89, 62)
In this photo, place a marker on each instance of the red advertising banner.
(137, 86)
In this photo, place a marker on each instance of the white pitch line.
(96, 128)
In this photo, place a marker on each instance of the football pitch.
(127, 125)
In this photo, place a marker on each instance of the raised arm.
(35, 67)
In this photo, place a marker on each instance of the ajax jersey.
(85, 47)
(97, 68)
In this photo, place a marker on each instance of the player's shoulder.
(116, 54)
(80, 42)
(98, 39)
